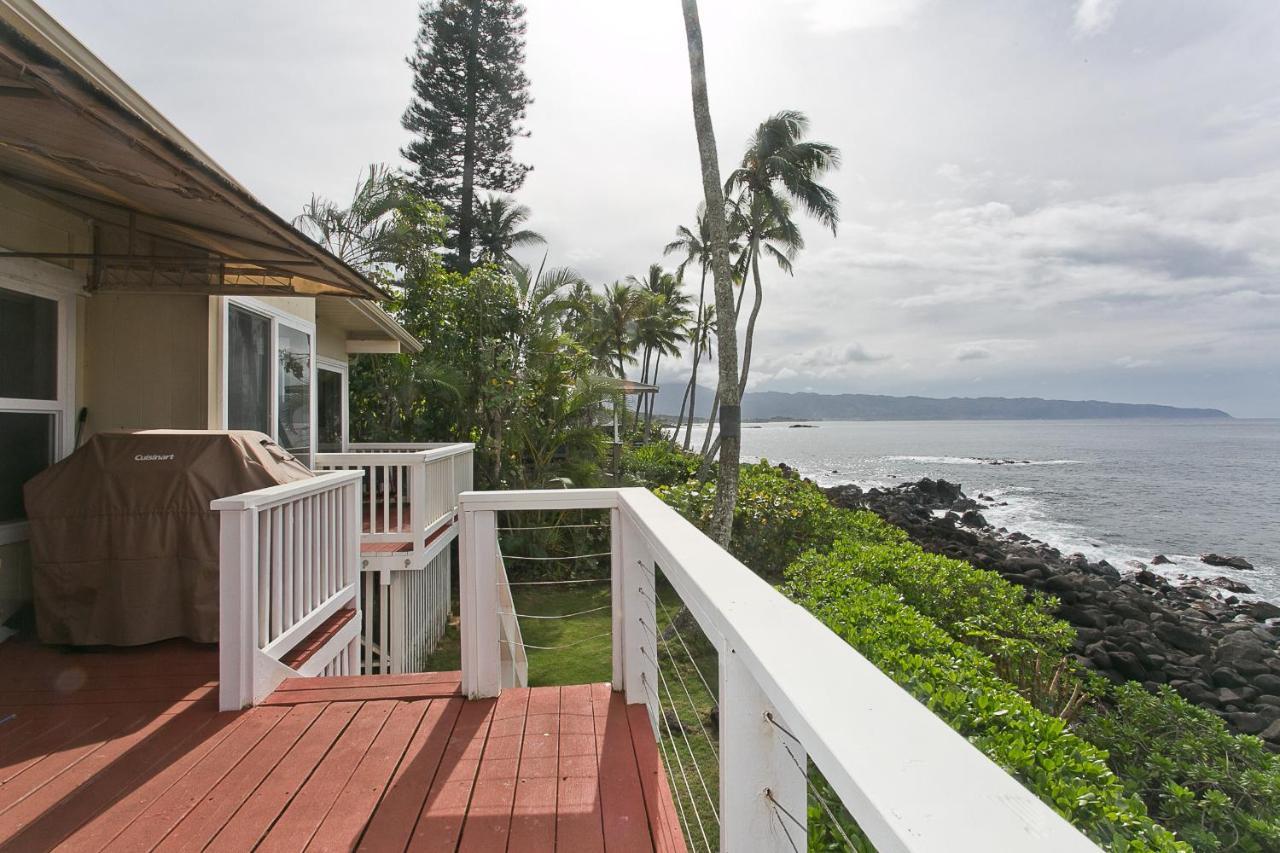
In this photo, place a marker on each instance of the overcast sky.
(1061, 198)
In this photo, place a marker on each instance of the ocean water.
(1118, 490)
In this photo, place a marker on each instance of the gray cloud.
(1040, 173)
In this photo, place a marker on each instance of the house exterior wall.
(146, 362)
(331, 343)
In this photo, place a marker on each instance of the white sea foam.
(978, 460)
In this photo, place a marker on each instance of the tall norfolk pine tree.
(469, 98)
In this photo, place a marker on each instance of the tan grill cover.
(124, 543)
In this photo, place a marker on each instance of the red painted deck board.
(439, 825)
(391, 825)
(315, 641)
(488, 822)
(397, 762)
(623, 814)
(345, 822)
(533, 815)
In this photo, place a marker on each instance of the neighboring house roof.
(368, 327)
(168, 217)
(627, 386)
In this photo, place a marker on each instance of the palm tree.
(660, 326)
(616, 314)
(499, 221)
(721, 528)
(696, 247)
(545, 297)
(780, 168)
(367, 232)
(700, 335)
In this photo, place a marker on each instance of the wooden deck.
(125, 750)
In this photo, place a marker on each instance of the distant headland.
(806, 406)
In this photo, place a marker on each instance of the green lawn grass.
(588, 658)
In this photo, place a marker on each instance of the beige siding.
(146, 362)
(29, 224)
(302, 307)
(331, 342)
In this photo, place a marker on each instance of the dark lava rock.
(1267, 683)
(1182, 637)
(1133, 626)
(1246, 723)
(1223, 677)
(1160, 560)
(1197, 694)
(1224, 582)
(1228, 561)
(973, 518)
(1127, 664)
(1263, 610)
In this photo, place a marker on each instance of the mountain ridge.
(811, 406)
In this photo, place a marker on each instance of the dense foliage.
(1217, 790)
(961, 686)
(469, 98)
(775, 519)
(657, 464)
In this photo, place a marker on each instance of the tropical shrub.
(777, 517)
(971, 604)
(1217, 790)
(960, 685)
(658, 464)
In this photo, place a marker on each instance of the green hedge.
(1217, 790)
(657, 464)
(971, 604)
(776, 518)
(960, 685)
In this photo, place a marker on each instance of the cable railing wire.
(558, 583)
(778, 811)
(685, 686)
(553, 527)
(559, 559)
(684, 735)
(671, 623)
(813, 789)
(554, 615)
(565, 645)
(679, 762)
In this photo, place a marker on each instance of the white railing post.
(635, 646)
(351, 531)
(755, 767)
(478, 600)
(419, 518)
(237, 607)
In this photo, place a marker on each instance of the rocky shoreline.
(1216, 650)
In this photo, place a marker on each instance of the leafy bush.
(1219, 791)
(658, 464)
(961, 686)
(971, 604)
(777, 517)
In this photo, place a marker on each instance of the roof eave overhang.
(80, 88)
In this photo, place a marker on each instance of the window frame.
(61, 286)
(343, 369)
(277, 318)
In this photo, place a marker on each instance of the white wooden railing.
(410, 497)
(409, 513)
(908, 779)
(288, 564)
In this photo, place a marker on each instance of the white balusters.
(275, 546)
